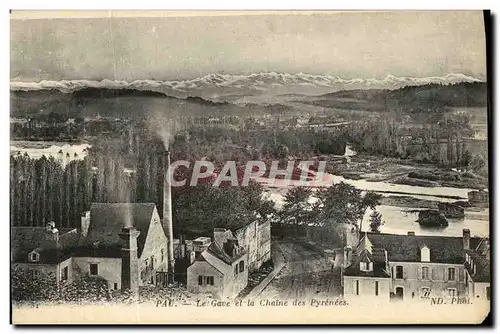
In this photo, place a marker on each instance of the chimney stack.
(52, 234)
(167, 217)
(130, 262)
(230, 246)
(85, 223)
(466, 238)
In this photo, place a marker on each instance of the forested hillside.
(410, 99)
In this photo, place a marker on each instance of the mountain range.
(230, 87)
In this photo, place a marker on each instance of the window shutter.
(461, 274)
(405, 273)
(430, 272)
(200, 280)
(419, 273)
(393, 273)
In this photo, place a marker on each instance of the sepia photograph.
(249, 167)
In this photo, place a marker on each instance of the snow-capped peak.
(251, 84)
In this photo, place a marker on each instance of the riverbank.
(403, 172)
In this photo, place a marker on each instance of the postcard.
(246, 167)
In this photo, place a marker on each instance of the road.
(307, 274)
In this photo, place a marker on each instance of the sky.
(163, 46)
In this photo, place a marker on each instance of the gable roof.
(26, 239)
(216, 248)
(483, 270)
(107, 220)
(406, 248)
(377, 257)
(481, 258)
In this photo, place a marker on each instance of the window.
(452, 292)
(366, 266)
(34, 257)
(376, 288)
(357, 288)
(235, 270)
(399, 272)
(64, 274)
(451, 274)
(152, 262)
(205, 280)
(115, 286)
(33, 274)
(425, 255)
(488, 293)
(425, 292)
(162, 254)
(242, 266)
(94, 269)
(146, 263)
(425, 272)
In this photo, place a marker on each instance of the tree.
(375, 222)
(86, 289)
(296, 208)
(370, 200)
(342, 203)
(32, 286)
(477, 163)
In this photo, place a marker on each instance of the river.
(397, 220)
(63, 152)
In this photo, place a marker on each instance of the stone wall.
(366, 287)
(256, 238)
(108, 268)
(227, 283)
(203, 268)
(412, 281)
(156, 241)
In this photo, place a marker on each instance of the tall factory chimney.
(167, 217)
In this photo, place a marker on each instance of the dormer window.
(34, 257)
(425, 255)
(366, 266)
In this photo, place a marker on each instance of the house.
(124, 243)
(206, 257)
(478, 272)
(105, 222)
(256, 239)
(386, 266)
(44, 250)
(220, 267)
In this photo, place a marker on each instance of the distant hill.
(110, 102)
(410, 99)
(110, 93)
(135, 103)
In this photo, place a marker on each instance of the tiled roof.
(26, 239)
(377, 257)
(406, 248)
(216, 248)
(107, 220)
(481, 258)
(105, 251)
(47, 256)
